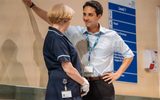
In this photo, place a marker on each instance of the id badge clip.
(88, 69)
(66, 93)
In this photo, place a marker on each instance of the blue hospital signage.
(122, 18)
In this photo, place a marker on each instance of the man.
(101, 45)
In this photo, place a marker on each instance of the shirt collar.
(101, 31)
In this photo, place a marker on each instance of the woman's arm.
(72, 72)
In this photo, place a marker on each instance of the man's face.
(90, 17)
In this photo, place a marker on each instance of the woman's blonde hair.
(60, 14)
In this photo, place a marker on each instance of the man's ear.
(100, 15)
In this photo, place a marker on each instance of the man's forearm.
(125, 64)
(41, 13)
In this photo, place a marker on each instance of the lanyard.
(90, 49)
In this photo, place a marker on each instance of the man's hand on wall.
(28, 2)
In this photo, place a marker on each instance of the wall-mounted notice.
(122, 18)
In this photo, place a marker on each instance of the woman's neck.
(59, 27)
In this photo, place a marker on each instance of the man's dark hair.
(96, 5)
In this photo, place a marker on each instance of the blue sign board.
(122, 19)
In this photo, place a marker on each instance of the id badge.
(88, 69)
(66, 94)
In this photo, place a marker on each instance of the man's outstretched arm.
(40, 12)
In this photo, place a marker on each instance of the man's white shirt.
(103, 53)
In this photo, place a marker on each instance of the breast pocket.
(103, 48)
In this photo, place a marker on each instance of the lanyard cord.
(90, 49)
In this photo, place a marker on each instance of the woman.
(61, 58)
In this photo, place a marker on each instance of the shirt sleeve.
(75, 34)
(121, 47)
(60, 50)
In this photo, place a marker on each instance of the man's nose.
(85, 18)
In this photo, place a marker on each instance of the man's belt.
(94, 78)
